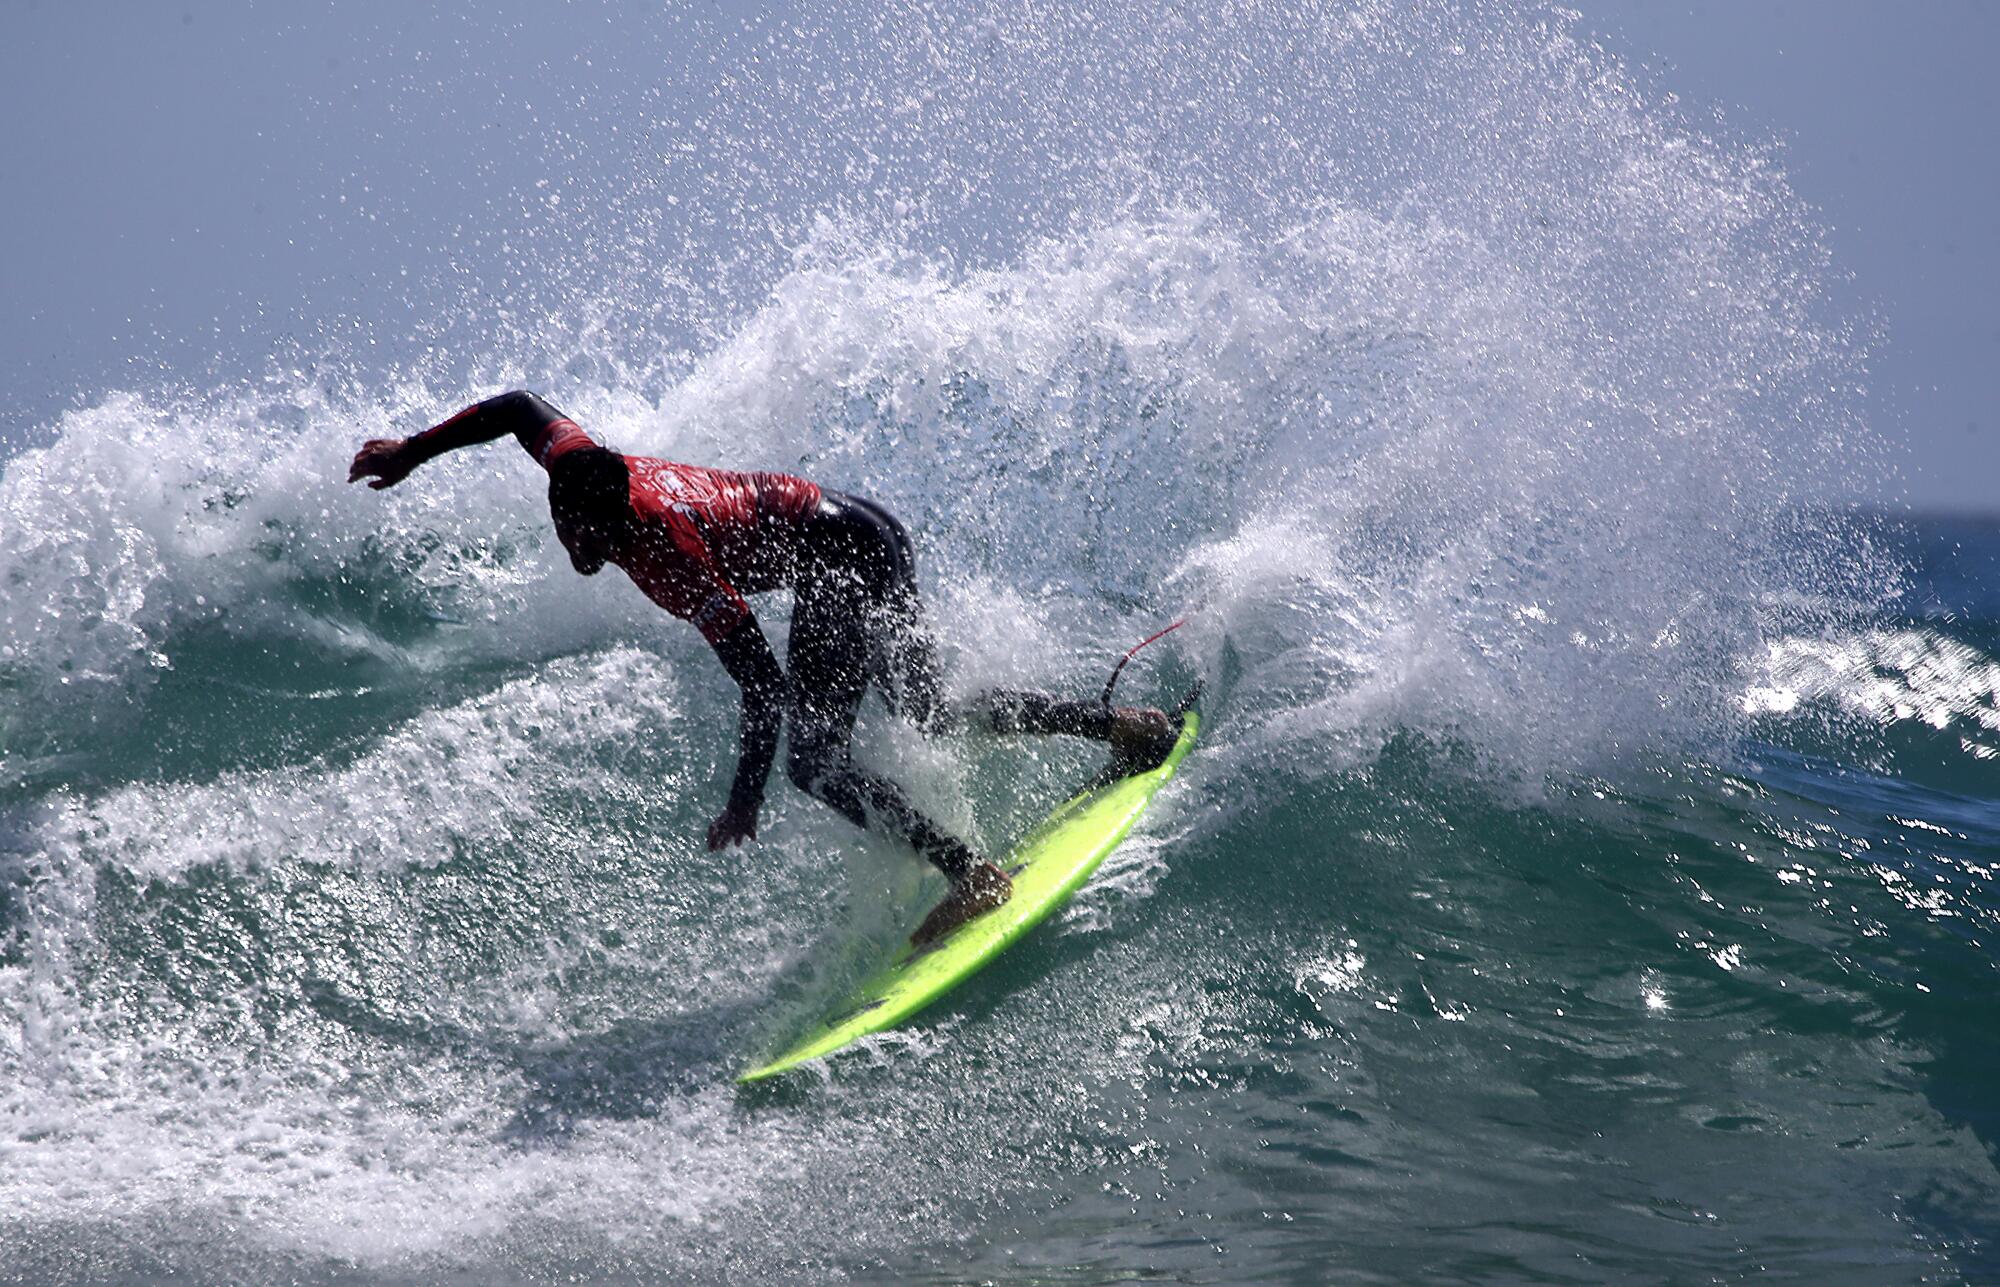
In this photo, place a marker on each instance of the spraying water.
(1480, 413)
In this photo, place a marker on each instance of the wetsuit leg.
(1014, 710)
(828, 660)
(903, 659)
(902, 652)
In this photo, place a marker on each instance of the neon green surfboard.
(1048, 866)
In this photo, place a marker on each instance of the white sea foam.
(462, 775)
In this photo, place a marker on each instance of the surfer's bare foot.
(981, 890)
(1141, 739)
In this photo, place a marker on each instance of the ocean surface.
(1588, 871)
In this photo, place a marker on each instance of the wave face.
(1589, 861)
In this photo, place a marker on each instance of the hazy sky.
(185, 179)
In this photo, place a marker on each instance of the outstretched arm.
(748, 658)
(388, 461)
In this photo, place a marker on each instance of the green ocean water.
(1586, 874)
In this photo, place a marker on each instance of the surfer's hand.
(384, 461)
(732, 826)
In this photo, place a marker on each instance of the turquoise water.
(1587, 873)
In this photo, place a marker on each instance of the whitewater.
(1588, 871)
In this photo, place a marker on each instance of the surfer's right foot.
(1141, 739)
(981, 890)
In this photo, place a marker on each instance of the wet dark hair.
(590, 484)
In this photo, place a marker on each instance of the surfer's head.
(590, 499)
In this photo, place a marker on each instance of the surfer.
(697, 541)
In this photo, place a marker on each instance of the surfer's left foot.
(1141, 739)
(981, 890)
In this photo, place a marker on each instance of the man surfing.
(697, 541)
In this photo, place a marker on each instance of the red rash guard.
(707, 536)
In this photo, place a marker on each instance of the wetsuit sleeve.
(537, 425)
(748, 658)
